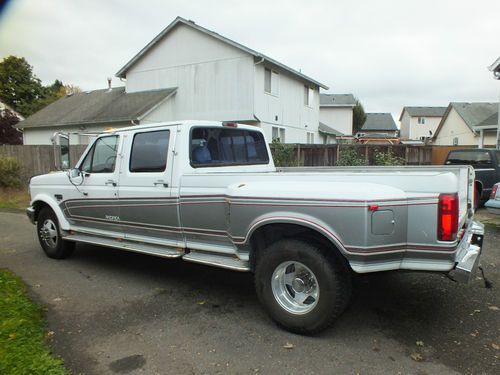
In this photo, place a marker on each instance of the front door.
(148, 211)
(94, 204)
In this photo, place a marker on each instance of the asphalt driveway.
(114, 312)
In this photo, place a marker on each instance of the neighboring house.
(420, 123)
(468, 124)
(209, 77)
(379, 124)
(91, 112)
(336, 115)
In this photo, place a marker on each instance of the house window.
(308, 96)
(278, 134)
(271, 82)
(310, 137)
(421, 120)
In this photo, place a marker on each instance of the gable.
(182, 46)
(454, 126)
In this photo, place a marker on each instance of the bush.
(284, 155)
(348, 156)
(388, 158)
(10, 172)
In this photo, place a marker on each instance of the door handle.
(110, 182)
(161, 182)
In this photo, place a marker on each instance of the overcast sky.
(388, 53)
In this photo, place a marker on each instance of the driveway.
(115, 312)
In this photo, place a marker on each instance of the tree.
(23, 91)
(358, 116)
(8, 134)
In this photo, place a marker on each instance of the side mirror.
(60, 142)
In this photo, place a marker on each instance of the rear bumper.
(30, 212)
(469, 252)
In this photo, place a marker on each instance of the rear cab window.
(149, 152)
(479, 158)
(214, 146)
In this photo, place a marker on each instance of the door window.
(149, 151)
(102, 156)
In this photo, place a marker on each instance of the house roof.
(379, 121)
(423, 111)
(473, 114)
(179, 20)
(325, 129)
(337, 100)
(495, 66)
(99, 106)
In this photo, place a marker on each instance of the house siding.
(454, 126)
(214, 80)
(338, 118)
(287, 109)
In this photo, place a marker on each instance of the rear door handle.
(110, 182)
(161, 182)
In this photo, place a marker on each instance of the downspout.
(253, 84)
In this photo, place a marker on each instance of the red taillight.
(447, 217)
(230, 124)
(494, 191)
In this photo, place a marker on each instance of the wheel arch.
(272, 230)
(41, 201)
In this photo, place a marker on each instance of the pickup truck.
(208, 192)
(486, 164)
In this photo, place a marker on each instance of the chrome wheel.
(48, 233)
(295, 287)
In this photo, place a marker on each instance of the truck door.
(148, 211)
(93, 204)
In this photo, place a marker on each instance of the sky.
(388, 53)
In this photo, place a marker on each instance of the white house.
(190, 72)
(468, 124)
(420, 123)
(336, 115)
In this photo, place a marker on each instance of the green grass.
(14, 198)
(23, 347)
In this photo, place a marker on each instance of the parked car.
(486, 163)
(208, 192)
(493, 204)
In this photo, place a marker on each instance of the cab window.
(102, 156)
(149, 152)
(212, 147)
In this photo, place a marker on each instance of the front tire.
(303, 288)
(49, 236)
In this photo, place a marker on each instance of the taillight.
(447, 217)
(494, 191)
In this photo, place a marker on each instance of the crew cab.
(208, 192)
(486, 164)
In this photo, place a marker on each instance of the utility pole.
(495, 68)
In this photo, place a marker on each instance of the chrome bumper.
(30, 212)
(468, 253)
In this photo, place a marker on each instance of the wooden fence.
(327, 155)
(37, 159)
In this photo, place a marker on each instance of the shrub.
(388, 158)
(10, 172)
(348, 156)
(284, 155)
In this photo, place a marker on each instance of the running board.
(232, 263)
(138, 247)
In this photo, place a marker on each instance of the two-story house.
(190, 72)
(420, 123)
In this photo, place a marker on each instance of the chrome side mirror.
(60, 142)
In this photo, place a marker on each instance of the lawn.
(14, 198)
(23, 346)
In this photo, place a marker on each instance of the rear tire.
(301, 287)
(49, 236)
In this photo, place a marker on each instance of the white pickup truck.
(208, 192)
